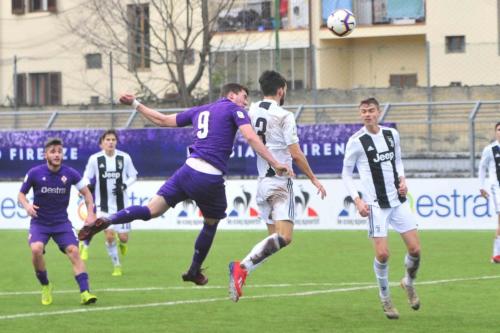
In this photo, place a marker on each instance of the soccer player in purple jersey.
(51, 183)
(201, 177)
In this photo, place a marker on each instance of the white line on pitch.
(281, 285)
(211, 300)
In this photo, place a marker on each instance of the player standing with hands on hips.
(490, 161)
(375, 150)
(201, 177)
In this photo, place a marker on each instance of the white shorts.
(118, 228)
(400, 218)
(495, 195)
(275, 199)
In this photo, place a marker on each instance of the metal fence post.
(472, 138)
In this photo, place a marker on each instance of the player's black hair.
(270, 82)
(232, 87)
(370, 100)
(53, 142)
(496, 126)
(110, 131)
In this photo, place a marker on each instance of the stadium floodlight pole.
(277, 25)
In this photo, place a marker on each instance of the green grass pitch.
(322, 282)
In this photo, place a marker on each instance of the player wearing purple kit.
(51, 184)
(201, 177)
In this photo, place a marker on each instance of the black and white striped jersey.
(277, 129)
(110, 172)
(490, 162)
(378, 159)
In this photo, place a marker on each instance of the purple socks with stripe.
(202, 246)
(130, 214)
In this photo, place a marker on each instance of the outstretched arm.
(156, 117)
(257, 145)
(301, 161)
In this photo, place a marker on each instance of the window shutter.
(52, 6)
(18, 7)
(21, 89)
(55, 88)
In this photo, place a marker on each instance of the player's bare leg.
(41, 271)
(281, 237)
(381, 269)
(412, 263)
(112, 249)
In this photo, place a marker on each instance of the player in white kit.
(114, 173)
(490, 162)
(376, 152)
(278, 131)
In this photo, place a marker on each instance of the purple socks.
(202, 246)
(130, 214)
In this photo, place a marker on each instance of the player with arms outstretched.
(275, 199)
(201, 177)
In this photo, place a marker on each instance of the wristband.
(135, 104)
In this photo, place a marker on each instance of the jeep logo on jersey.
(382, 157)
(111, 175)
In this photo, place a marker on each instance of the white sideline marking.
(211, 300)
(281, 285)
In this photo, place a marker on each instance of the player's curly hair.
(270, 82)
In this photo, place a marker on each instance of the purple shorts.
(63, 234)
(208, 191)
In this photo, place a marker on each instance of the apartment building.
(398, 43)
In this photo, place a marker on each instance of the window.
(42, 89)
(246, 67)
(187, 58)
(403, 80)
(42, 6)
(18, 7)
(455, 44)
(93, 60)
(138, 36)
(20, 89)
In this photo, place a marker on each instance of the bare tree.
(164, 44)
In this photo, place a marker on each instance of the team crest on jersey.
(119, 164)
(64, 179)
(391, 141)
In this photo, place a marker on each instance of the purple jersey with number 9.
(214, 129)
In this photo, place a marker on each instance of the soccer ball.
(341, 22)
